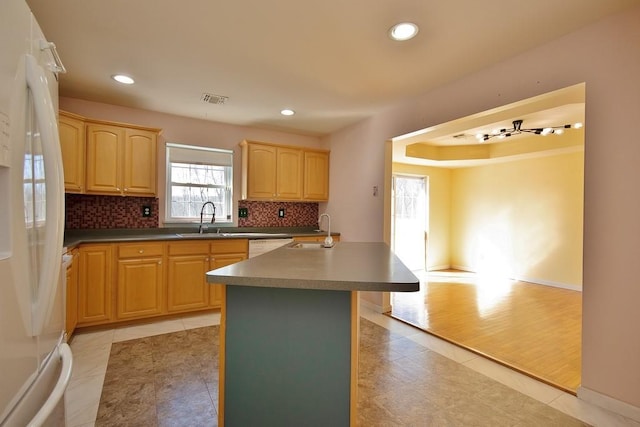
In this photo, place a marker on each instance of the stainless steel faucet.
(213, 216)
(328, 241)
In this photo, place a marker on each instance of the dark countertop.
(347, 266)
(75, 237)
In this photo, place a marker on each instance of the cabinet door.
(140, 287)
(316, 175)
(95, 284)
(261, 172)
(72, 294)
(104, 153)
(217, 261)
(72, 145)
(186, 283)
(139, 166)
(289, 174)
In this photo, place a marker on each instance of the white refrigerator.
(35, 362)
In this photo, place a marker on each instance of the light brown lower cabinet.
(72, 293)
(223, 253)
(188, 263)
(129, 281)
(95, 284)
(140, 281)
(217, 261)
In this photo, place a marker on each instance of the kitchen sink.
(239, 234)
(308, 245)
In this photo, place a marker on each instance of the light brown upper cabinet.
(316, 175)
(271, 172)
(72, 144)
(277, 172)
(104, 151)
(140, 162)
(116, 159)
(121, 160)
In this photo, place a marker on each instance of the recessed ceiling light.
(121, 78)
(287, 112)
(403, 31)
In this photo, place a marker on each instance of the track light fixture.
(518, 129)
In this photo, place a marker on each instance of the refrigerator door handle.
(58, 391)
(54, 180)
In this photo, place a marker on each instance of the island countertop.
(347, 266)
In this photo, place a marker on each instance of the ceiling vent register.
(214, 99)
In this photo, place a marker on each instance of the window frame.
(195, 156)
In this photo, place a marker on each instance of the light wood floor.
(532, 328)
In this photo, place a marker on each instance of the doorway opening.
(410, 223)
(503, 271)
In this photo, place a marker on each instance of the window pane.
(187, 201)
(191, 183)
(184, 173)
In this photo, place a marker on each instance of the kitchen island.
(289, 331)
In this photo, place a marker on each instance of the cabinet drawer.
(137, 250)
(188, 248)
(230, 246)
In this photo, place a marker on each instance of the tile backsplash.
(92, 212)
(265, 214)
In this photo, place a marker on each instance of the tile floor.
(163, 380)
(407, 377)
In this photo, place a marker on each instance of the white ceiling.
(330, 61)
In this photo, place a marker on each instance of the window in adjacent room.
(196, 175)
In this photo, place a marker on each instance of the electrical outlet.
(146, 211)
(243, 212)
(281, 212)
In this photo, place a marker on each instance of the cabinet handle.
(159, 262)
(141, 251)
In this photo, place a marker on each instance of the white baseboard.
(570, 286)
(375, 307)
(439, 267)
(609, 403)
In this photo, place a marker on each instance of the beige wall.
(603, 55)
(438, 251)
(521, 218)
